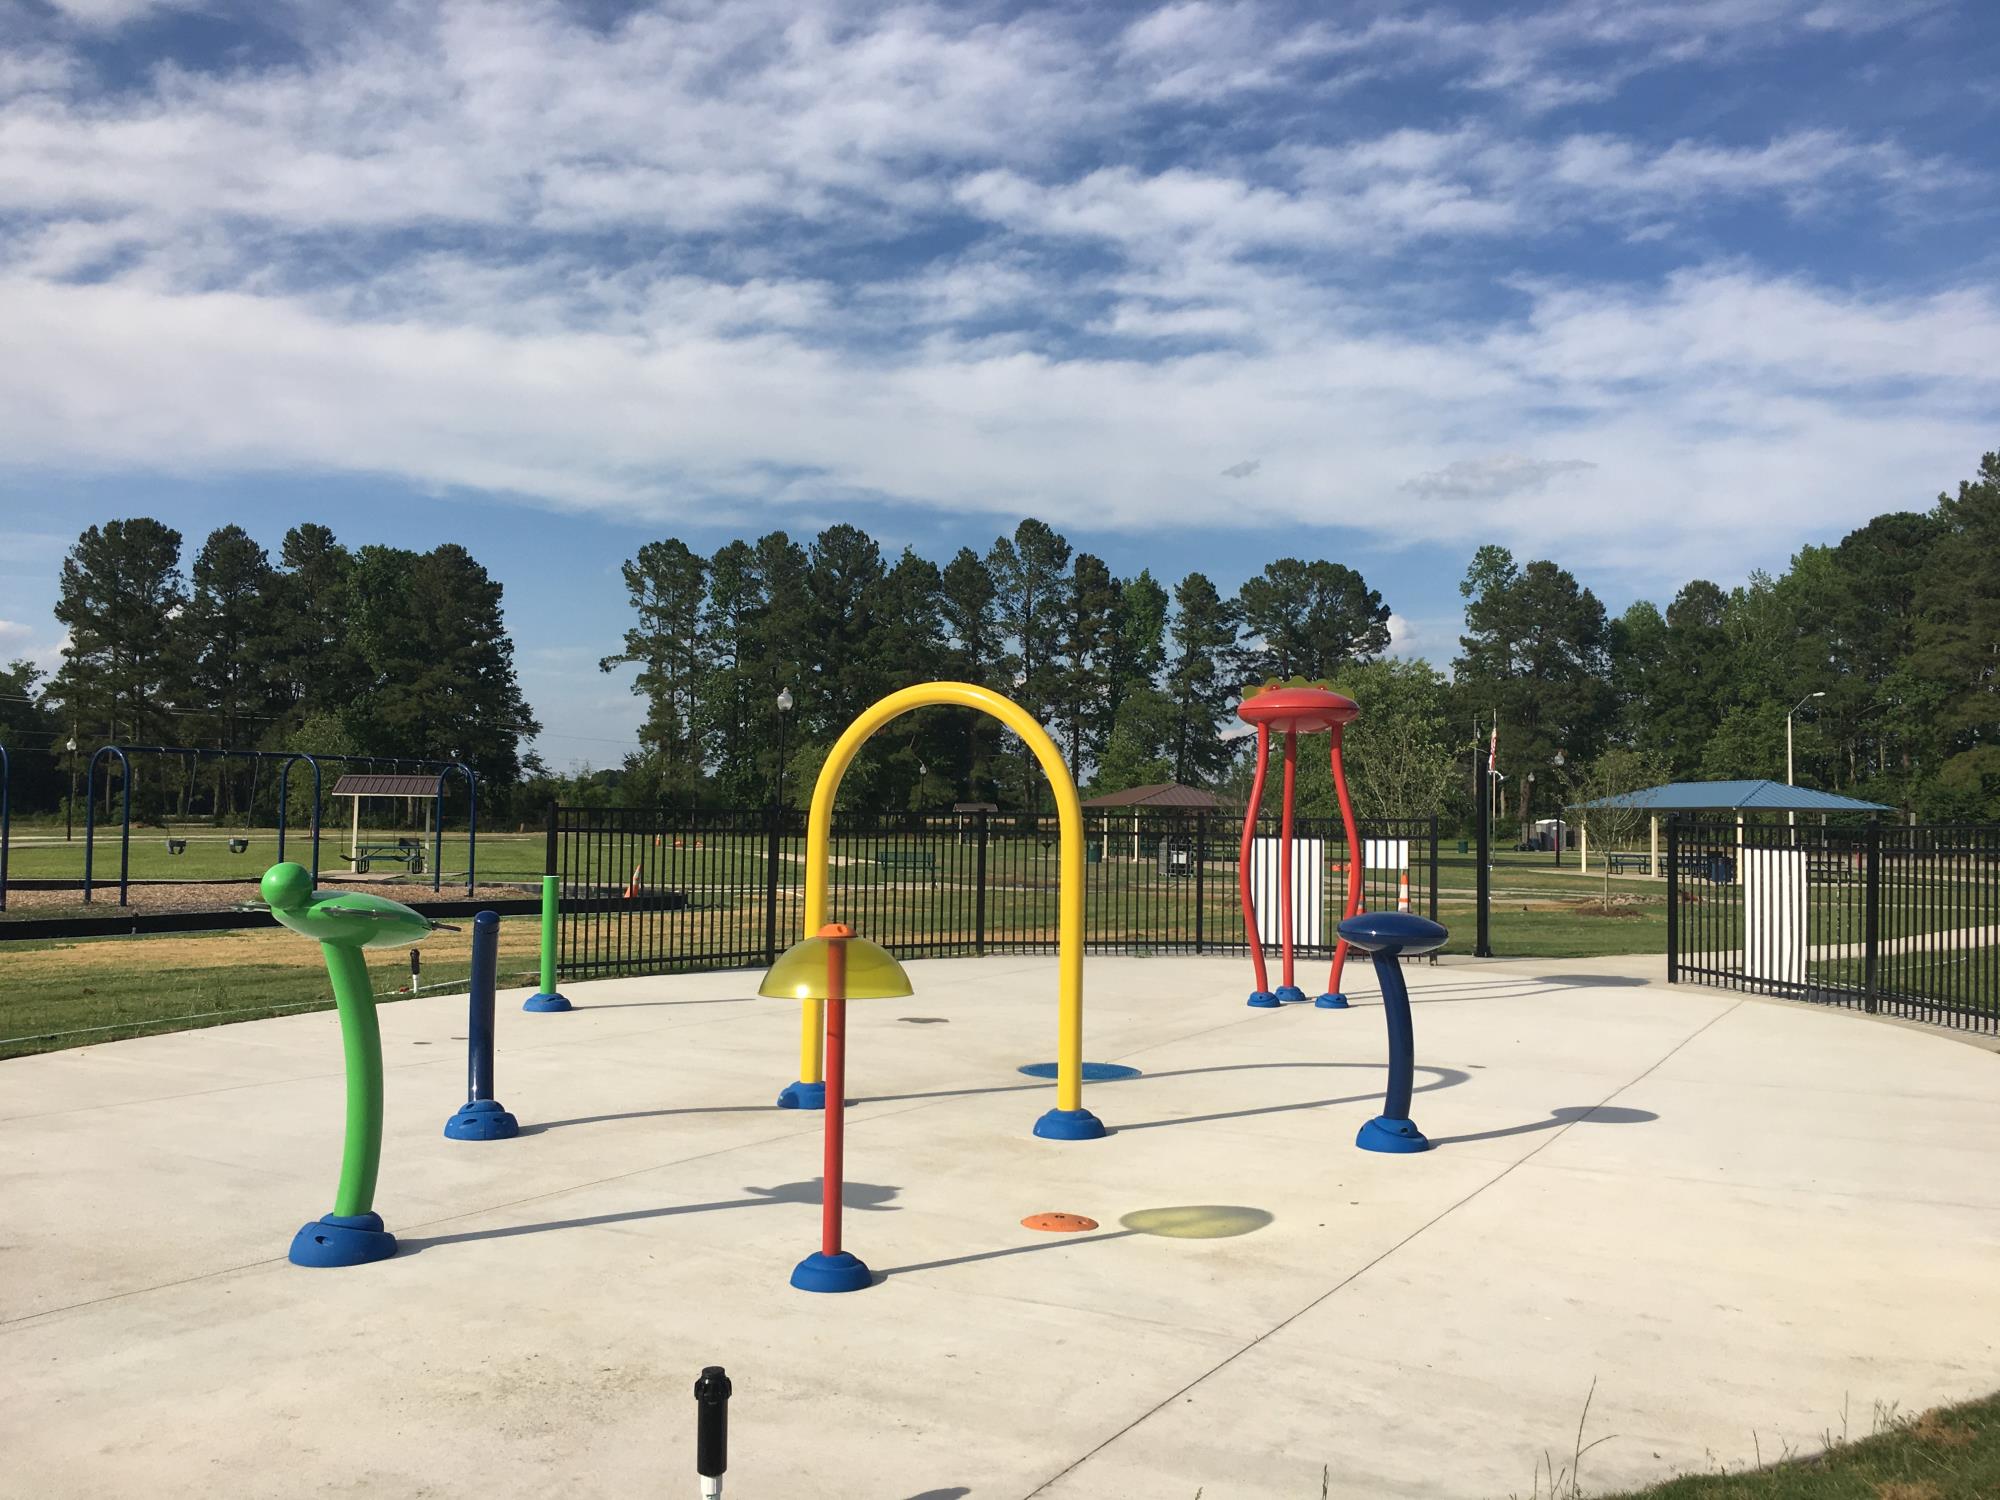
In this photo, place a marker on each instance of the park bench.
(918, 861)
(408, 852)
(1621, 862)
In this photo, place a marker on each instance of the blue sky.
(1656, 289)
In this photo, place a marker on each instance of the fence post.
(1871, 920)
(1433, 878)
(979, 892)
(1200, 862)
(771, 852)
(1673, 897)
(1483, 878)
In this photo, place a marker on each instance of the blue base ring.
(1069, 1125)
(803, 1096)
(1332, 1000)
(831, 1273)
(1289, 994)
(1397, 1137)
(548, 1000)
(481, 1120)
(1262, 1000)
(336, 1241)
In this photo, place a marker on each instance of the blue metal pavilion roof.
(1735, 796)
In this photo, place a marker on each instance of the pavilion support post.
(1583, 847)
(1653, 860)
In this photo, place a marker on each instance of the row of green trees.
(1896, 628)
(1135, 679)
(377, 650)
(1889, 639)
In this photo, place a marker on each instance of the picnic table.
(407, 852)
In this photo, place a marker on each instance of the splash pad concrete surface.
(1738, 1218)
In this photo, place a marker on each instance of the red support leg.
(1287, 990)
(1261, 996)
(1353, 903)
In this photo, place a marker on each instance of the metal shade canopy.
(800, 972)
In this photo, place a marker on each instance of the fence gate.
(1898, 920)
(646, 891)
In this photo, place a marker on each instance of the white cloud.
(1491, 478)
(785, 258)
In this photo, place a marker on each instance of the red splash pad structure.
(1293, 709)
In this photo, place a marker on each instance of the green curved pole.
(344, 923)
(361, 1048)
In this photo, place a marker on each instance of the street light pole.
(785, 701)
(1791, 816)
(1560, 760)
(69, 807)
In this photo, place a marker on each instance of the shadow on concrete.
(1448, 1076)
(1568, 1114)
(956, 1492)
(1194, 1221)
(864, 1196)
(1594, 981)
(1442, 1078)
(654, 1004)
(648, 1114)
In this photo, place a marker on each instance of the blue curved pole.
(1386, 937)
(90, 822)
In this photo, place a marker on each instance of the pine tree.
(666, 584)
(313, 669)
(1028, 581)
(120, 589)
(1088, 707)
(971, 654)
(1311, 618)
(226, 641)
(1202, 680)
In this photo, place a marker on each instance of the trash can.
(1465, 846)
(1093, 852)
(1721, 870)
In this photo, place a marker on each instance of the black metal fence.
(648, 892)
(1898, 920)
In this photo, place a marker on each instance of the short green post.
(548, 997)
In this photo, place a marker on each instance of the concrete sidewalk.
(1735, 1216)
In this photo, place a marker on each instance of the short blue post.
(1387, 937)
(481, 1118)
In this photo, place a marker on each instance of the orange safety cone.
(632, 885)
(1403, 892)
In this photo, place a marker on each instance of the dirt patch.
(228, 896)
(1934, 1427)
(1614, 908)
(519, 939)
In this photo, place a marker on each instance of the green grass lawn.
(82, 991)
(41, 853)
(1952, 1453)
